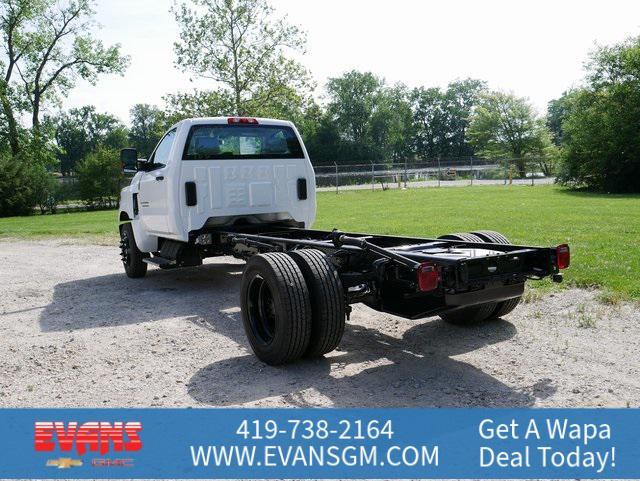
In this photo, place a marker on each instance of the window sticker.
(249, 145)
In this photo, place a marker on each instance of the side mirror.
(144, 165)
(129, 161)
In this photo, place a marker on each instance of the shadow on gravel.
(370, 369)
(416, 370)
(114, 300)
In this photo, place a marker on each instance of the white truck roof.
(225, 120)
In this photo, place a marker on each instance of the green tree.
(241, 46)
(601, 130)
(441, 118)
(506, 126)
(352, 101)
(557, 110)
(429, 123)
(199, 103)
(461, 98)
(47, 190)
(14, 17)
(99, 178)
(148, 124)
(50, 44)
(16, 194)
(321, 136)
(364, 120)
(25, 177)
(390, 125)
(83, 130)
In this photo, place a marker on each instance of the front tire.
(132, 257)
(276, 309)
(327, 300)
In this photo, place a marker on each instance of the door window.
(161, 154)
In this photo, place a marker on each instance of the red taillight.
(241, 120)
(428, 276)
(563, 256)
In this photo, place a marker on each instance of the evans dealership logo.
(98, 437)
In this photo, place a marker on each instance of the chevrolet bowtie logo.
(64, 463)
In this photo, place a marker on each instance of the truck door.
(152, 195)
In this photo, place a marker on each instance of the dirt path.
(74, 331)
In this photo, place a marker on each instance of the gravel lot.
(76, 332)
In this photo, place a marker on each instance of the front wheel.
(132, 257)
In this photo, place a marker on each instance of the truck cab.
(214, 172)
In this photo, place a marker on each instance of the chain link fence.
(373, 176)
(432, 173)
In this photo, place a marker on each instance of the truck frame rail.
(412, 277)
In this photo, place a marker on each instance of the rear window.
(209, 142)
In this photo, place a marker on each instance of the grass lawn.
(602, 230)
(98, 226)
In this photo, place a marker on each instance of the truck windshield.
(209, 142)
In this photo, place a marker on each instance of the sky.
(535, 49)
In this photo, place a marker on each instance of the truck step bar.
(159, 261)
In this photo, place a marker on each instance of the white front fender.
(126, 213)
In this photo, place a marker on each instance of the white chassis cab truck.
(245, 187)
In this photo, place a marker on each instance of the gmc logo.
(92, 436)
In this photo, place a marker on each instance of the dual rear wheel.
(292, 305)
(481, 312)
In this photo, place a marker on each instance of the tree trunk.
(35, 117)
(521, 166)
(14, 143)
(520, 162)
(239, 110)
(236, 67)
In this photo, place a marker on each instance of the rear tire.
(132, 257)
(472, 314)
(505, 307)
(276, 309)
(491, 236)
(327, 300)
(462, 236)
(468, 316)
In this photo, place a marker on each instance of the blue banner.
(320, 443)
